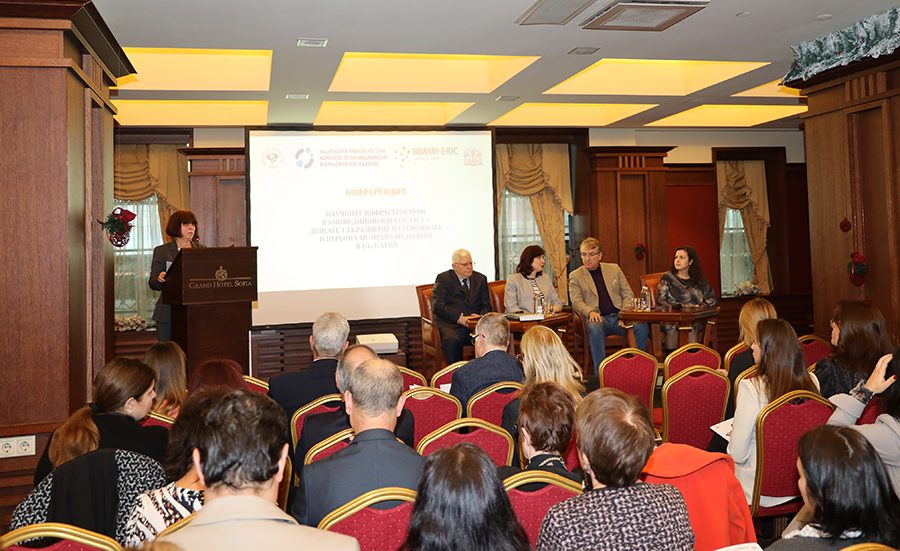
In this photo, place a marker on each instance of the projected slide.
(352, 221)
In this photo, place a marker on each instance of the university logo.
(304, 157)
(272, 157)
(472, 157)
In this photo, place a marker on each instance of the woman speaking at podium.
(182, 229)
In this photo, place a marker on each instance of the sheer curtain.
(517, 230)
(132, 262)
(735, 259)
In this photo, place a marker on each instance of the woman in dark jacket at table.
(684, 285)
(182, 229)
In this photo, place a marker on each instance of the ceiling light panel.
(735, 116)
(772, 89)
(198, 69)
(388, 113)
(191, 113)
(641, 15)
(651, 77)
(569, 114)
(425, 73)
(553, 12)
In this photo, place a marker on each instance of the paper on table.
(723, 429)
(446, 387)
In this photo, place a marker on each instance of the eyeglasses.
(590, 253)
(467, 264)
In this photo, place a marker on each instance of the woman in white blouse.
(781, 369)
(529, 286)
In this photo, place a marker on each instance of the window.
(734, 257)
(517, 230)
(133, 297)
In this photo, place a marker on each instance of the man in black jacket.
(459, 294)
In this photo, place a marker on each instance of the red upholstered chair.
(411, 378)
(748, 373)
(693, 401)
(71, 538)
(652, 283)
(431, 409)
(256, 385)
(374, 529)
(632, 371)
(154, 419)
(739, 348)
(870, 412)
(445, 375)
(494, 440)
(579, 333)
(329, 402)
(571, 457)
(497, 294)
(329, 446)
(488, 403)
(532, 507)
(779, 427)
(690, 355)
(814, 348)
(284, 487)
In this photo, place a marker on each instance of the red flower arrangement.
(857, 269)
(640, 250)
(118, 226)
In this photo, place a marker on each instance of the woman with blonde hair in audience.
(123, 392)
(781, 369)
(167, 359)
(859, 337)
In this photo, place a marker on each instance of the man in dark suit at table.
(492, 363)
(598, 290)
(374, 459)
(460, 294)
(298, 388)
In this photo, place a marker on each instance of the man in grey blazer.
(598, 290)
(374, 459)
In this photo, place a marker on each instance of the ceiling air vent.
(553, 12)
(642, 15)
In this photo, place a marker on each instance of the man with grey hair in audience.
(297, 388)
(459, 295)
(374, 459)
(492, 363)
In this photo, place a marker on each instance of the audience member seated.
(598, 291)
(492, 363)
(844, 483)
(461, 504)
(545, 423)
(859, 337)
(216, 372)
(715, 501)
(459, 295)
(884, 433)
(319, 426)
(298, 388)
(374, 459)
(684, 285)
(168, 361)
(781, 370)
(529, 286)
(545, 360)
(615, 439)
(123, 392)
(240, 456)
(161, 507)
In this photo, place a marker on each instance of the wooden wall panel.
(232, 212)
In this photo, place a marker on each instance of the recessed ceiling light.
(312, 42)
(742, 14)
(296, 96)
(824, 17)
(506, 98)
(583, 50)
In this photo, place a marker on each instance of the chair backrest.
(739, 348)
(532, 507)
(870, 412)
(445, 375)
(652, 283)
(497, 294)
(431, 336)
(693, 401)
(488, 403)
(72, 538)
(411, 378)
(154, 419)
(779, 427)
(814, 348)
(632, 371)
(322, 404)
(330, 446)
(690, 355)
(374, 529)
(571, 455)
(868, 547)
(284, 487)
(494, 440)
(256, 385)
(431, 409)
(748, 373)
(423, 293)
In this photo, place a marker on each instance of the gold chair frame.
(687, 373)
(467, 422)
(748, 373)
(414, 393)
(682, 349)
(391, 493)
(59, 530)
(172, 528)
(257, 382)
(541, 477)
(161, 417)
(623, 352)
(317, 448)
(452, 367)
(414, 374)
(489, 390)
(739, 348)
(303, 410)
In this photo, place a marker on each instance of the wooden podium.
(210, 291)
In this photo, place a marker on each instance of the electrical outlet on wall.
(16, 446)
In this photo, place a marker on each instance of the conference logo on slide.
(272, 157)
(304, 157)
(473, 157)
